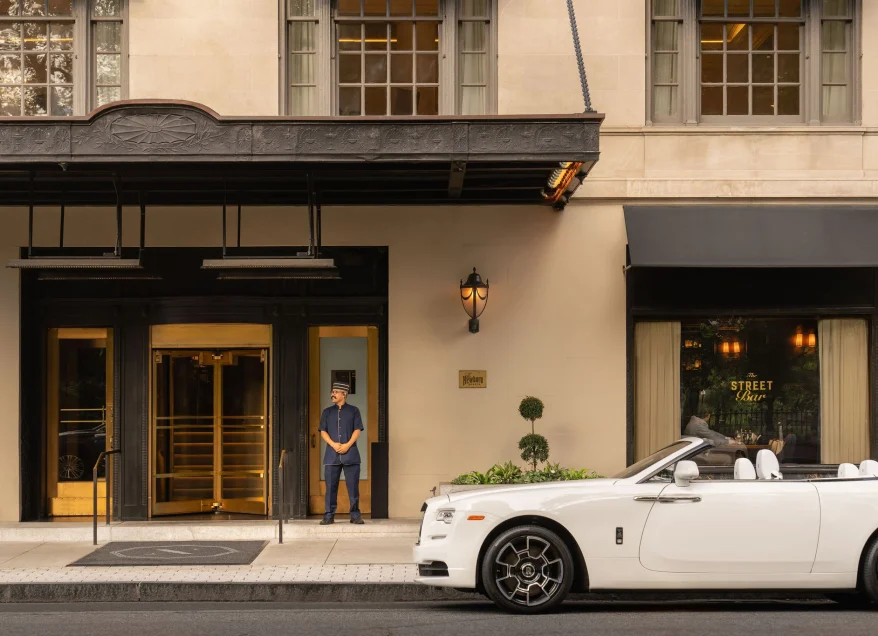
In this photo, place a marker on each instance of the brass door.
(79, 410)
(209, 431)
(349, 354)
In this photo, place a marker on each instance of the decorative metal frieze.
(40, 139)
(156, 130)
(181, 131)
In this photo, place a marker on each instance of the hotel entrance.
(210, 427)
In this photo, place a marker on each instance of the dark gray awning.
(179, 153)
(752, 235)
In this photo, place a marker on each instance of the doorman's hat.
(341, 386)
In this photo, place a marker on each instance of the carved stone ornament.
(182, 131)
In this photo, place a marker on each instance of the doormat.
(122, 553)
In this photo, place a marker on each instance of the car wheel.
(870, 572)
(527, 570)
(70, 467)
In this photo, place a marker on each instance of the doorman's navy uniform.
(340, 424)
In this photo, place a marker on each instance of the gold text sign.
(472, 379)
(751, 390)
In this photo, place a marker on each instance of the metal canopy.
(752, 236)
(179, 153)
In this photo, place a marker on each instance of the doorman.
(340, 426)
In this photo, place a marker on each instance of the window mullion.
(449, 53)
(82, 47)
(690, 59)
(812, 82)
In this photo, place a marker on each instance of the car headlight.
(446, 515)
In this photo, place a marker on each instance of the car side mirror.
(685, 472)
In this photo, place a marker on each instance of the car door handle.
(645, 498)
(680, 499)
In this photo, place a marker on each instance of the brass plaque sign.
(472, 379)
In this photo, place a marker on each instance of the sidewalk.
(341, 562)
(372, 562)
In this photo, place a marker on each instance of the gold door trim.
(317, 487)
(210, 336)
(75, 498)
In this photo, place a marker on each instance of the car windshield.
(646, 462)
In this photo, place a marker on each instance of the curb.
(157, 592)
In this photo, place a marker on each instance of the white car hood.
(513, 490)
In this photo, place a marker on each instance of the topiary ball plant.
(534, 448)
(531, 408)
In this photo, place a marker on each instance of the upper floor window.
(753, 61)
(389, 57)
(43, 44)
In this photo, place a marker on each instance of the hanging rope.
(582, 79)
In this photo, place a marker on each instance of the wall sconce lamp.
(800, 338)
(474, 296)
(812, 340)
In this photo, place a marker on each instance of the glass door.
(79, 417)
(243, 432)
(209, 431)
(347, 354)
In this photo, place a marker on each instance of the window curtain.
(835, 63)
(656, 386)
(844, 390)
(665, 66)
(473, 45)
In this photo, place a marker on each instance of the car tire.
(527, 570)
(869, 575)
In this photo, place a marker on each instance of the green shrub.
(509, 473)
(534, 449)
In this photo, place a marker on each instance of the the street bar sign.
(472, 379)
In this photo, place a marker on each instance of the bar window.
(752, 383)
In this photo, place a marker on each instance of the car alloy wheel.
(527, 569)
(71, 467)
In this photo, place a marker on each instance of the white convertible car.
(657, 526)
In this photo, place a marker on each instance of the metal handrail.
(281, 518)
(94, 474)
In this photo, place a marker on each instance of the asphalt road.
(459, 619)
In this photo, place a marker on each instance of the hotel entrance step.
(167, 530)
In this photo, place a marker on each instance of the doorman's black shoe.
(326, 521)
(358, 520)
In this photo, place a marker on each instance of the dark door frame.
(131, 318)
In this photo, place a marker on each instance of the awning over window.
(752, 235)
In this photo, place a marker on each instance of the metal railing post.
(94, 476)
(280, 497)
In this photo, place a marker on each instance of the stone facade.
(555, 325)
